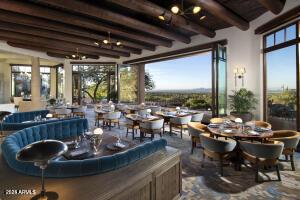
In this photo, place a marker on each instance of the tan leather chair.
(263, 124)
(195, 129)
(290, 140)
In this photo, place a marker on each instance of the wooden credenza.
(157, 177)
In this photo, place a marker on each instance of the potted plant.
(241, 103)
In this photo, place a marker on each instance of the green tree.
(149, 82)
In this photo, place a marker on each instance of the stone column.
(53, 82)
(68, 81)
(35, 80)
(141, 83)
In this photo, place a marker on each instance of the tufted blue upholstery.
(70, 168)
(13, 122)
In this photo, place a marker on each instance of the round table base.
(47, 196)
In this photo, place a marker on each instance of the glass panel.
(128, 84)
(281, 88)
(222, 84)
(21, 84)
(184, 82)
(291, 32)
(279, 37)
(45, 85)
(60, 82)
(270, 40)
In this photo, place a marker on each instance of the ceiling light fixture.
(180, 10)
(202, 17)
(162, 16)
(108, 42)
(77, 56)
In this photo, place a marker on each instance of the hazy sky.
(182, 73)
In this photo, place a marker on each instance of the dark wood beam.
(92, 63)
(59, 36)
(218, 10)
(275, 6)
(63, 17)
(176, 53)
(277, 21)
(20, 44)
(30, 38)
(29, 21)
(53, 44)
(151, 9)
(103, 14)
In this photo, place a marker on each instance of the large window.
(282, 81)
(128, 84)
(60, 82)
(21, 80)
(184, 82)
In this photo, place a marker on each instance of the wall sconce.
(239, 73)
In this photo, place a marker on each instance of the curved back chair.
(152, 127)
(63, 113)
(217, 148)
(180, 122)
(197, 117)
(130, 124)
(290, 140)
(155, 109)
(216, 120)
(111, 117)
(80, 112)
(263, 124)
(195, 129)
(142, 112)
(262, 154)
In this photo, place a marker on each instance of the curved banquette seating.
(13, 122)
(70, 168)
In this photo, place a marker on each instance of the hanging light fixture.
(108, 42)
(77, 56)
(180, 10)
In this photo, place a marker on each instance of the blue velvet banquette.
(13, 122)
(70, 168)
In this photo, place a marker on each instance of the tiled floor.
(205, 183)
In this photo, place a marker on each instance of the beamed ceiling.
(59, 27)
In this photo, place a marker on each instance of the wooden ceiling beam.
(103, 14)
(43, 42)
(60, 55)
(29, 21)
(218, 10)
(58, 36)
(54, 15)
(20, 44)
(151, 9)
(275, 6)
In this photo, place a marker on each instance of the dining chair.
(122, 108)
(80, 112)
(197, 117)
(142, 112)
(219, 149)
(263, 124)
(111, 117)
(152, 127)
(155, 109)
(195, 129)
(180, 122)
(131, 124)
(216, 120)
(262, 155)
(290, 140)
(63, 113)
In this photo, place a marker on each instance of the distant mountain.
(196, 90)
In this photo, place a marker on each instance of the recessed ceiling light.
(175, 9)
(196, 9)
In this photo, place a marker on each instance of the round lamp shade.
(41, 151)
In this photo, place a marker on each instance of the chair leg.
(286, 157)
(170, 129)
(203, 159)
(109, 125)
(181, 129)
(127, 132)
(160, 134)
(278, 172)
(221, 165)
(292, 162)
(133, 134)
(192, 150)
(256, 173)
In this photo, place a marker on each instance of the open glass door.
(219, 80)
